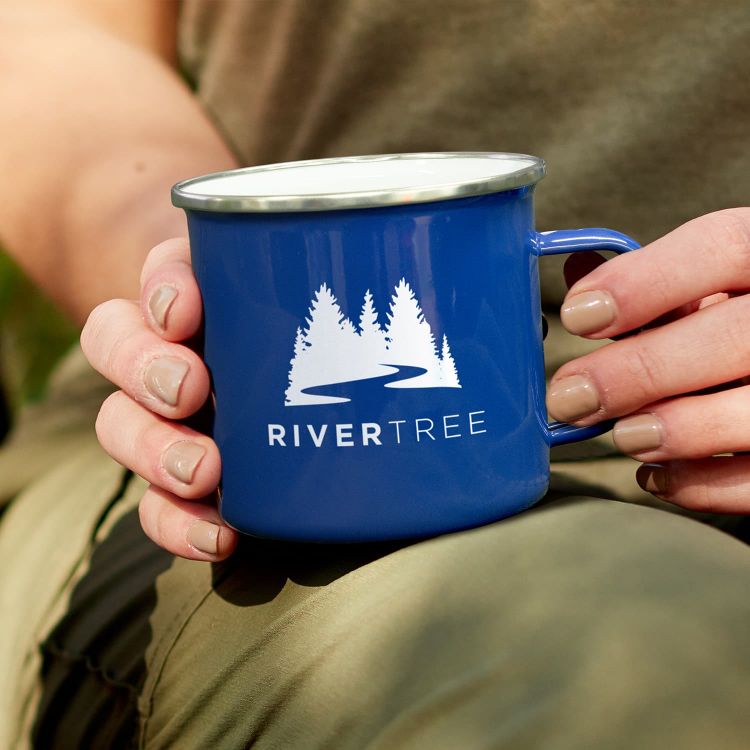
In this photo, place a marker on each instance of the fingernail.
(643, 432)
(160, 302)
(588, 312)
(652, 478)
(163, 378)
(572, 398)
(182, 459)
(204, 536)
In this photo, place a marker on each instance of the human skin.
(97, 126)
(89, 190)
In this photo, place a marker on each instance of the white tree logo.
(332, 351)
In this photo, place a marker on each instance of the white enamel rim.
(484, 173)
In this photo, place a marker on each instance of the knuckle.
(729, 234)
(690, 480)
(645, 372)
(733, 334)
(152, 437)
(702, 498)
(106, 333)
(660, 282)
(706, 485)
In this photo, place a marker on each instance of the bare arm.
(96, 125)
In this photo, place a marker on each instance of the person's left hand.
(697, 274)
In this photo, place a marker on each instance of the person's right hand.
(135, 344)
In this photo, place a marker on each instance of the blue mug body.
(378, 372)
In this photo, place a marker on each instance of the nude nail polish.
(572, 398)
(652, 478)
(638, 434)
(204, 536)
(163, 378)
(588, 312)
(181, 460)
(160, 303)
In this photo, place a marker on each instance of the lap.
(586, 623)
(581, 623)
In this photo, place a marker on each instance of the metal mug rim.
(524, 176)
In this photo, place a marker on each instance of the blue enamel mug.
(373, 331)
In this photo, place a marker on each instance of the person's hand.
(696, 275)
(136, 346)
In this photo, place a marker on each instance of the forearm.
(94, 132)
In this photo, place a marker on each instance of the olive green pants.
(583, 623)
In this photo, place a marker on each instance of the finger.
(165, 377)
(709, 485)
(689, 427)
(188, 529)
(166, 454)
(170, 300)
(707, 255)
(707, 348)
(579, 264)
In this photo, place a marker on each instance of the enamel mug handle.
(574, 241)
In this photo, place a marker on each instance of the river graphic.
(367, 388)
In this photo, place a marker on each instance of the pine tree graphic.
(448, 372)
(299, 343)
(410, 339)
(331, 350)
(326, 324)
(373, 336)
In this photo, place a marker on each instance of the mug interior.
(346, 176)
(358, 182)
